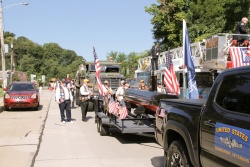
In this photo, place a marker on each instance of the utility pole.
(12, 61)
(2, 45)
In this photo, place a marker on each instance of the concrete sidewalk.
(80, 144)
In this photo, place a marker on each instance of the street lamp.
(2, 37)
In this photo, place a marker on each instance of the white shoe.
(63, 122)
(72, 122)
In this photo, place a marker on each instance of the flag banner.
(170, 79)
(124, 110)
(112, 106)
(239, 56)
(192, 87)
(98, 70)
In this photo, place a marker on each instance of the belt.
(67, 100)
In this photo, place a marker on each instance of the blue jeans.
(65, 106)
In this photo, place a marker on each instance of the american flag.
(124, 111)
(112, 106)
(98, 70)
(239, 56)
(170, 80)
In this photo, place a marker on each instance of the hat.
(156, 42)
(85, 80)
(122, 82)
(106, 82)
(141, 81)
(63, 80)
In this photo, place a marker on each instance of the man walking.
(63, 98)
(85, 96)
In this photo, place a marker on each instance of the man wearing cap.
(63, 98)
(107, 92)
(155, 52)
(85, 96)
(120, 91)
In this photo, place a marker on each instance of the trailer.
(141, 106)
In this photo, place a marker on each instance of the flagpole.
(183, 53)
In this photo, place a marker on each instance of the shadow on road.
(158, 161)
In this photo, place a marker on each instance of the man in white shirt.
(85, 96)
(63, 98)
(160, 89)
(107, 92)
(120, 91)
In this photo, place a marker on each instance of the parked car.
(21, 95)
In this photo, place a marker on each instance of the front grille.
(113, 82)
(20, 97)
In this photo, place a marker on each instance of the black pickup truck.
(212, 132)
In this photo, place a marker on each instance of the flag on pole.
(124, 111)
(98, 70)
(239, 56)
(112, 106)
(170, 79)
(192, 87)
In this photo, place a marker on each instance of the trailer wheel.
(103, 129)
(176, 155)
(98, 124)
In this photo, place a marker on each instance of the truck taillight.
(200, 96)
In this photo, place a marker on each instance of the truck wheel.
(91, 106)
(176, 155)
(103, 129)
(6, 108)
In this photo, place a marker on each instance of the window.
(234, 93)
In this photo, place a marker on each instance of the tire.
(37, 107)
(91, 106)
(176, 155)
(6, 108)
(103, 129)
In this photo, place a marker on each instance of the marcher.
(72, 88)
(85, 96)
(241, 29)
(63, 98)
(155, 52)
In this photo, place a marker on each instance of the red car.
(21, 95)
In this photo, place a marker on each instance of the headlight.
(33, 96)
(6, 96)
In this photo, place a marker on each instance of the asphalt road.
(39, 139)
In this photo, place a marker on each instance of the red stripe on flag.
(124, 112)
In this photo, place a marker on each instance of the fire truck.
(210, 57)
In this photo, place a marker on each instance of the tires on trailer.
(102, 129)
(176, 155)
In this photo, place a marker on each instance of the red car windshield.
(22, 87)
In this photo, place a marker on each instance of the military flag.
(192, 86)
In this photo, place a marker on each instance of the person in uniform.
(85, 96)
(64, 98)
(155, 52)
(120, 91)
(241, 28)
(107, 92)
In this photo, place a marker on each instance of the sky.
(78, 25)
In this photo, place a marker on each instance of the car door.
(225, 123)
